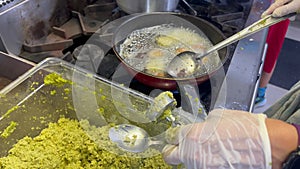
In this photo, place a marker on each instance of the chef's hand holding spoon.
(185, 64)
(227, 139)
(213, 143)
(282, 7)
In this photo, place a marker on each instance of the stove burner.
(70, 39)
(63, 37)
(229, 16)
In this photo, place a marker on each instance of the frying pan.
(179, 20)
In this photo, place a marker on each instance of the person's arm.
(283, 139)
(233, 139)
(227, 139)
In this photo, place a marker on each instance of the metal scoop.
(134, 139)
(162, 103)
(131, 138)
(186, 64)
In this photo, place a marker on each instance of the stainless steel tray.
(74, 93)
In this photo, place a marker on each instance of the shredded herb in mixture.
(9, 129)
(56, 79)
(69, 144)
(10, 111)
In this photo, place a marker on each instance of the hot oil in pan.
(151, 49)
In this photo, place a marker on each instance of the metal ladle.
(135, 139)
(131, 138)
(161, 103)
(186, 63)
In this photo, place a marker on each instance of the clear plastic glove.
(227, 139)
(282, 7)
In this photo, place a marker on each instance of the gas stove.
(35, 30)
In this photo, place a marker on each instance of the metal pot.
(141, 6)
(153, 19)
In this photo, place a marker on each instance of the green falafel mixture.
(9, 129)
(68, 144)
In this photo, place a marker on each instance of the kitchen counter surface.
(238, 90)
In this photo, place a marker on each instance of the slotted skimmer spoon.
(131, 138)
(186, 63)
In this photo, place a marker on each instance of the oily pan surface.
(150, 50)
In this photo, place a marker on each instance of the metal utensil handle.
(253, 28)
(157, 142)
(193, 11)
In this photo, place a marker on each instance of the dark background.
(287, 70)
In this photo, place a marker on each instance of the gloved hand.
(282, 7)
(227, 139)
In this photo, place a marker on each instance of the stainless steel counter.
(238, 90)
